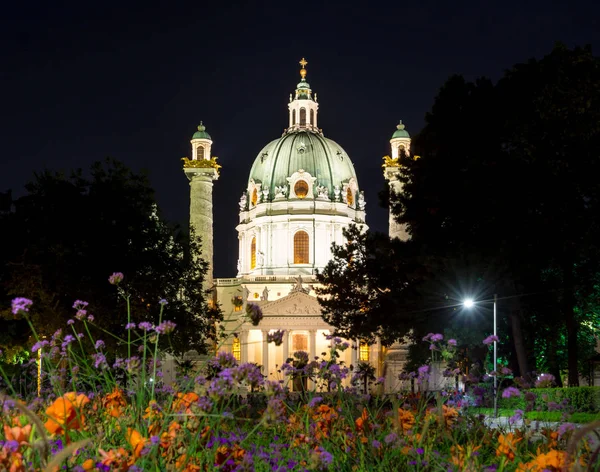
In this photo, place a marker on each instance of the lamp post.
(469, 303)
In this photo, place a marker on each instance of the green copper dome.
(201, 133)
(400, 132)
(320, 157)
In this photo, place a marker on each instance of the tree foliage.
(503, 199)
(69, 233)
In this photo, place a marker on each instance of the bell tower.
(201, 170)
(400, 143)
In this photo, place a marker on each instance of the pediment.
(297, 303)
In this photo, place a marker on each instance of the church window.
(293, 117)
(302, 116)
(200, 152)
(254, 197)
(253, 254)
(350, 196)
(312, 117)
(301, 189)
(301, 247)
(236, 349)
(363, 352)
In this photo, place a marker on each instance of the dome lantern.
(303, 108)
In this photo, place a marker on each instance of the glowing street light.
(469, 303)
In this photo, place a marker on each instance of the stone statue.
(297, 287)
(243, 201)
(245, 294)
(261, 257)
(239, 265)
(361, 200)
(265, 296)
(280, 191)
(337, 191)
(323, 192)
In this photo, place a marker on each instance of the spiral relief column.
(201, 171)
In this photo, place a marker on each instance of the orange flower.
(17, 433)
(114, 403)
(551, 436)
(66, 413)
(137, 441)
(182, 465)
(11, 461)
(507, 445)
(406, 420)
(362, 421)
(553, 460)
(116, 459)
(450, 415)
(184, 401)
(88, 464)
(464, 457)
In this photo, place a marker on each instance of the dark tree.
(68, 234)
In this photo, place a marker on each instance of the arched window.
(301, 247)
(302, 116)
(293, 117)
(200, 152)
(363, 353)
(312, 117)
(350, 196)
(253, 254)
(301, 189)
(254, 199)
(236, 349)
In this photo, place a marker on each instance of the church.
(302, 191)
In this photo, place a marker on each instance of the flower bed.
(99, 415)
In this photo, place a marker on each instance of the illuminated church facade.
(302, 191)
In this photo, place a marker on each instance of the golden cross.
(303, 62)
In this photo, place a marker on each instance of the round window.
(301, 189)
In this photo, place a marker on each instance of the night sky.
(81, 81)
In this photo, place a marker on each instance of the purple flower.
(428, 337)
(276, 337)
(21, 304)
(145, 325)
(254, 312)
(130, 326)
(116, 278)
(155, 440)
(99, 361)
(166, 327)
(565, 427)
(70, 322)
(424, 369)
(163, 302)
(99, 344)
(516, 417)
(315, 401)
(545, 381)
(90, 318)
(491, 339)
(437, 337)
(376, 444)
(80, 304)
(68, 340)
(390, 438)
(40, 344)
(511, 392)
(452, 342)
